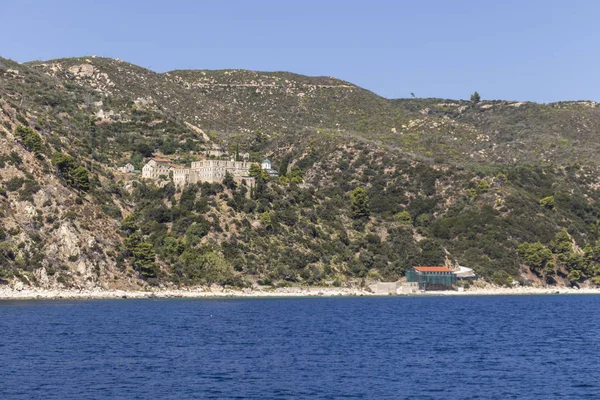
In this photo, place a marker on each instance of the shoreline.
(192, 293)
(8, 293)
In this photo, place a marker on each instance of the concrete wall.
(409, 287)
(384, 288)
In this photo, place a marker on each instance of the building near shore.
(432, 278)
(463, 272)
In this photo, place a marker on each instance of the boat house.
(432, 278)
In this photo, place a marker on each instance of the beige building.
(127, 168)
(200, 171)
(211, 171)
(156, 167)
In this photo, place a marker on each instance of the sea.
(469, 347)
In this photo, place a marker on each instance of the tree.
(257, 172)
(142, 255)
(228, 181)
(475, 98)
(143, 260)
(173, 246)
(63, 162)
(283, 165)
(215, 269)
(129, 225)
(266, 221)
(360, 203)
(432, 252)
(79, 179)
(536, 255)
(92, 126)
(76, 176)
(574, 275)
(30, 139)
(561, 243)
(296, 175)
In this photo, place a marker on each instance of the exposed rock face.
(82, 71)
(86, 72)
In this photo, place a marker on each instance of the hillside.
(447, 181)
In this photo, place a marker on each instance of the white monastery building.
(156, 167)
(127, 168)
(211, 171)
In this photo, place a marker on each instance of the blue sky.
(538, 50)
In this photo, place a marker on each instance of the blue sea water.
(513, 347)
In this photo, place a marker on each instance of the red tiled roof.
(432, 269)
(161, 160)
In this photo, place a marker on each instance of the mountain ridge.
(449, 181)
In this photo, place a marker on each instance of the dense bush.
(30, 139)
(76, 176)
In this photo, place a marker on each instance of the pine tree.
(360, 203)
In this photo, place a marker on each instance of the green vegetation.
(30, 139)
(76, 176)
(360, 203)
(561, 260)
(548, 202)
(368, 187)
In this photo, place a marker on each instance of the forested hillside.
(368, 186)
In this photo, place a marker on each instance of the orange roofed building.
(432, 278)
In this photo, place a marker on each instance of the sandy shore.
(35, 293)
(7, 293)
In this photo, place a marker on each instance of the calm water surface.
(520, 347)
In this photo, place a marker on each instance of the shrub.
(30, 188)
(14, 184)
(483, 186)
(548, 203)
(403, 217)
(15, 158)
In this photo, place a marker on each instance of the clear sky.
(539, 50)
